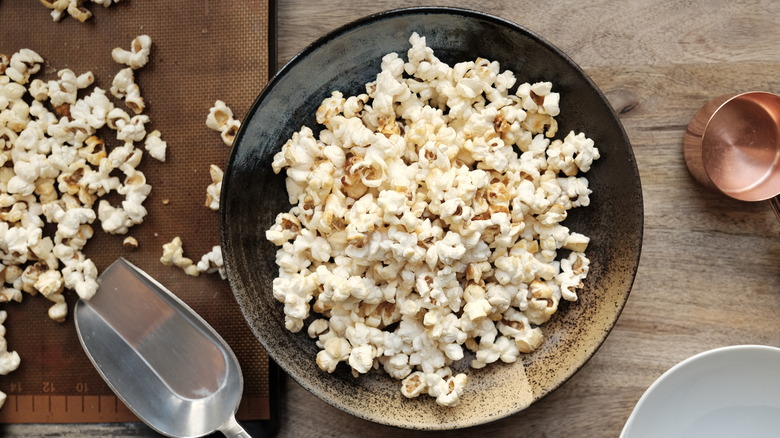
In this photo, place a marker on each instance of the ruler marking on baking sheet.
(52, 408)
(57, 408)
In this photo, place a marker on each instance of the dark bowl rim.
(421, 10)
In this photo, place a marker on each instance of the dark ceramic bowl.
(345, 60)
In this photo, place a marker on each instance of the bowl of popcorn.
(431, 218)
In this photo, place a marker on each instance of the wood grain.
(709, 271)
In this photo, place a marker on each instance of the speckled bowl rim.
(467, 13)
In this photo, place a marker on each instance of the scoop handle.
(232, 429)
(775, 204)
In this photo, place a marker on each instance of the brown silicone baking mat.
(201, 51)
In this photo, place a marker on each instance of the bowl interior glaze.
(346, 59)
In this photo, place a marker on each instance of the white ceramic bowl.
(726, 392)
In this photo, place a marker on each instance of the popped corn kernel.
(22, 65)
(137, 56)
(130, 242)
(212, 262)
(173, 255)
(214, 189)
(124, 87)
(155, 145)
(9, 360)
(220, 118)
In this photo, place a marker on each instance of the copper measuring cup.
(732, 145)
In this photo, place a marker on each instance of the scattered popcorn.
(427, 221)
(74, 8)
(137, 56)
(221, 119)
(56, 171)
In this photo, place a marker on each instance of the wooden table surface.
(709, 272)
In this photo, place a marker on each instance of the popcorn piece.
(286, 228)
(427, 219)
(135, 189)
(59, 310)
(137, 56)
(130, 243)
(80, 274)
(8, 294)
(22, 65)
(221, 119)
(214, 189)
(515, 325)
(361, 358)
(317, 328)
(573, 270)
(173, 255)
(132, 130)
(228, 134)
(447, 392)
(77, 11)
(62, 92)
(58, 7)
(4, 61)
(92, 109)
(12, 92)
(414, 385)
(576, 242)
(94, 150)
(117, 117)
(219, 116)
(212, 262)
(335, 350)
(124, 87)
(155, 145)
(113, 220)
(9, 360)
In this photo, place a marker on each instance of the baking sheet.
(201, 51)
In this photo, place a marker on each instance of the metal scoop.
(160, 358)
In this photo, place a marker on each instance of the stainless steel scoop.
(160, 358)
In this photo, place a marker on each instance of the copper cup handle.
(775, 204)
